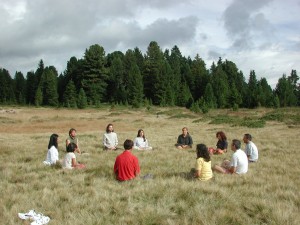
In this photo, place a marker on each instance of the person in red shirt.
(126, 165)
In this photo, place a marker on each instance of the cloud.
(243, 22)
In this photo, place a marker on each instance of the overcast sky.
(260, 35)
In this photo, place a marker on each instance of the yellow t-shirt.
(205, 168)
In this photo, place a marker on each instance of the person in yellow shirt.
(203, 169)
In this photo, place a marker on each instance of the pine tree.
(31, 81)
(135, 87)
(153, 71)
(70, 95)
(20, 88)
(285, 92)
(38, 99)
(7, 94)
(252, 91)
(116, 91)
(201, 77)
(82, 99)
(48, 85)
(209, 97)
(220, 87)
(94, 77)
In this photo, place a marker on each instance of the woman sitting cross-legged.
(221, 144)
(140, 142)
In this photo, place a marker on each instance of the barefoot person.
(126, 165)
(238, 163)
(184, 140)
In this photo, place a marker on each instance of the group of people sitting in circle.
(127, 167)
(239, 160)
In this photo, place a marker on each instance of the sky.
(259, 35)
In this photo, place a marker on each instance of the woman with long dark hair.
(52, 154)
(140, 142)
(203, 169)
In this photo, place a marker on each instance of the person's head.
(109, 128)
(71, 147)
(53, 141)
(128, 144)
(202, 152)
(221, 136)
(247, 138)
(185, 131)
(72, 132)
(235, 145)
(141, 133)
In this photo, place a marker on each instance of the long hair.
(139, 134)
(222, 134)
(107, 128)
(53, 141)
(202, 152)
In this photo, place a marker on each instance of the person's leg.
(219, 169)
(220, 151)
(211, 150)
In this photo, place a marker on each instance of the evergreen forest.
(162, 78)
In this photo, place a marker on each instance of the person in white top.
(110, 138)
(52, 154)
(251, 149)
(70, 158)
(140, 142)
(238, 163)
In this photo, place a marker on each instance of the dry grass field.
(267, 194)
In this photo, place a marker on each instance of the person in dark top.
(221, 144)
(184, 140)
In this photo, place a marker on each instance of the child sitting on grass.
(70, 158)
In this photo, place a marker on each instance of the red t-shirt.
(126, 166)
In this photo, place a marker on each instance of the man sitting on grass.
(251, 149)
(238, 163)
(126, 164)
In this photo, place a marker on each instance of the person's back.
(126, 165)
(52, 154)
(206, 171)
(67, 163)
(240, 161)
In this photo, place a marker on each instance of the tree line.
(163, 78)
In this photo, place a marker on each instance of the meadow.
(267, 194)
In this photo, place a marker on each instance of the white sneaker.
(30, 215)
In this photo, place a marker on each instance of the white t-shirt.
(110, 140)
(68, 160)
(240, 161)
(252, 151)
(52, 156)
